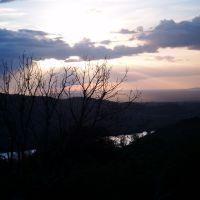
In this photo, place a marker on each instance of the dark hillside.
(162, 165)
(170, 158)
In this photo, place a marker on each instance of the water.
(7, 155)
(119, 141)
(124, 140)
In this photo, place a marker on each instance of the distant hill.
(178, 95)
(196, 88)
(137, 117)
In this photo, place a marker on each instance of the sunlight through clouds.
(140, 35)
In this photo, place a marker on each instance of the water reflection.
(119, 141)
(124, 140)
(7, 155)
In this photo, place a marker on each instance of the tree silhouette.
(87, 90)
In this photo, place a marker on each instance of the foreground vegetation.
(163, 165)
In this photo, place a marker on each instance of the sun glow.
(48, 64)
(77, 21)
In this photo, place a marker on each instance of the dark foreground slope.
(170, 160)
(164, 165)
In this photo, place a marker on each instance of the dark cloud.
(32, 32)
(14, 43)
(6, 1)
(37, 43)
(171, 34)
(106, 42)
(139, 29)
(126, 31)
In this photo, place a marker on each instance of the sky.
(158, 41)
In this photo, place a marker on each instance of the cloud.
(106, 42)
(137, 74)
(38, 43)
(10, 12)
(168, 58)
(6, 1)
(171, 34)
(126, 31)
(139, 29)
(73, 59)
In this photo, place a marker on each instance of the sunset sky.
(158, 41)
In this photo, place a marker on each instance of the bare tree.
(94, 84)
(23, 81)
(4, 105)
(52, 87)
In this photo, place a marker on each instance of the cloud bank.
(171, 34)
(37, 43)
